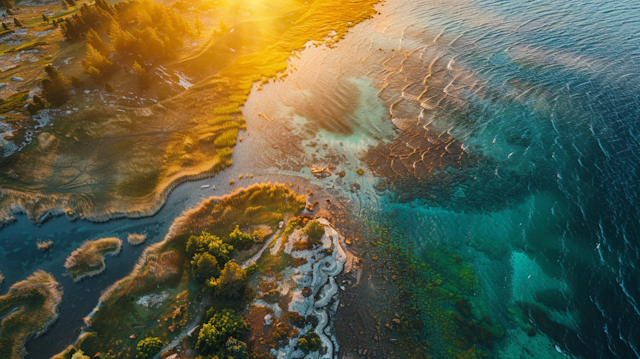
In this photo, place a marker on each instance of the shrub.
(205, 265)
(231, 280)
(239, 239)
(314, 231)
(252, 268)
(206, 242)
(310, 342)
(80, 355)
(218, 330)
(236, 349)
(148, 348)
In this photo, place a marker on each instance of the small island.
(88, 260)
(29, 308)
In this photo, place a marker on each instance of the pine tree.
(37, 105)
(45, 18)
(96, 41)
(17, 23)
(4, 26)
(55, 88)
(94, 73)
(141, 74)
(56, 76)
(95, 59)
(76, 82)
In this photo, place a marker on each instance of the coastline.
(39, 207)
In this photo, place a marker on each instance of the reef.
(27, 310)
(88, 260)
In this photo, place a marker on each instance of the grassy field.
(28, 308)
(88, 260)
(118, 157)
(162, 276)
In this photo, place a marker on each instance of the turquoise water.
(505, 131)
(545, 95)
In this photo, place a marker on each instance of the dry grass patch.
(88, 260)
(136, 238)
(29, 308)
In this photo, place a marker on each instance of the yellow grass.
(29, 308)
(44, 245)
(88, 260)
(136, 238)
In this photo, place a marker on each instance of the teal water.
(544, 94)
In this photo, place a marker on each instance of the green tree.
(314, 231)
(55, 88)
(236, 349)
(17, 23)
(45, 18)
(217, 331)
(211, 244)
(239, 239)
(148, 348)
(205, 265)
(310, 342)
(4, 26)
(231, 280)
(80, 355)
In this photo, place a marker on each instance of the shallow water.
(509, 131)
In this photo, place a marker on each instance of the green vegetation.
(175, 275)
(216, 332)
(88, 260)
(314, 231)
(208, 243)
(28, 308)
(240, 240)
(443, 311)
(231, 280)
(79, 355)
(148, 348)
(310, 342)
(55, 89)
